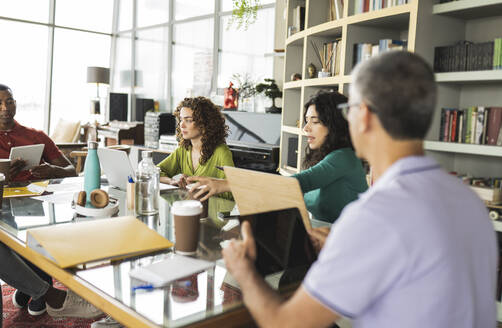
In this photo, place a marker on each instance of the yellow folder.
(71, 244)
(33, 189)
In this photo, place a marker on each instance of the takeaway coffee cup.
(186, 214)
(4, 168)
(2, 182)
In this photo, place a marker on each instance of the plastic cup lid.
(187, 207)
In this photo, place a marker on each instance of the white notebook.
(170, 269)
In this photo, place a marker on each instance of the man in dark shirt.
(13, 134)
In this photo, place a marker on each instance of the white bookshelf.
(472, 77)
(462, 148)
(469, 9)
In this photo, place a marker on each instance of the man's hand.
(205, 187)
(240, 255)
(16, 166)
(318, 237)
(44, 171)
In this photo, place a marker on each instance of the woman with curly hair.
(333, 176)
(201, 133)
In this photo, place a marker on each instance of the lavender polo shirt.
(416, 250)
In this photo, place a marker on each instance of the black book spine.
(441, 124)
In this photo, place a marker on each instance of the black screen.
(282, 243)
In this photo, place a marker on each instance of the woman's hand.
(205, 187)
(178, 180)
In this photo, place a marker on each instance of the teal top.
(180, 161)
(332, 183)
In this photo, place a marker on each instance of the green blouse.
(332, 183)
(180, 161)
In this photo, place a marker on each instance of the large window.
(74, 51)
(23, 63)
(151, 64)
(191, 51)
(246, 51)
(50, 51)
(92, 15)
(192, 59)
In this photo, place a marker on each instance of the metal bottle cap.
(146, 154)
(92, 145)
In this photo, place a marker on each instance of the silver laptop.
(117, 167)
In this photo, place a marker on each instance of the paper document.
(170, 269)
(57, 198)
(33, 189)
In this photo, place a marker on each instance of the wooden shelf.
(291, 129)
(292, 84)
(296, 39)
(394, 17)
(460, 148)
(332, 28)
(469, 9)
(326, 81)
(472, 77)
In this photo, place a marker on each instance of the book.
(71, 244)
(493, 125)
(453, 126)
(474, 124)
(468, 125)
(479, 126)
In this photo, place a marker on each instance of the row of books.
(468, 56)
(298, 19)
(473, 125)
(335, 9)
(364, 51)
(363, 6)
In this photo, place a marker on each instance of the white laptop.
(117, 167)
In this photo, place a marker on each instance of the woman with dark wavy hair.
(333, 176)
(201, 133)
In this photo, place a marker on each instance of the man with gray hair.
(415, 250)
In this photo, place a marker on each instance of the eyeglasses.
(345, 108)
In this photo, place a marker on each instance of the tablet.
(31, 154)
(282, 243)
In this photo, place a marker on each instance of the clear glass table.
(188, 301)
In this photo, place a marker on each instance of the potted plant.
(272, 91)
(247, 91)
(244, 13)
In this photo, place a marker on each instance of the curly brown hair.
(210, 122)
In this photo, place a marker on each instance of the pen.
(145, 287)
(219, 167)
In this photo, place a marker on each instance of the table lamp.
(97, 75)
